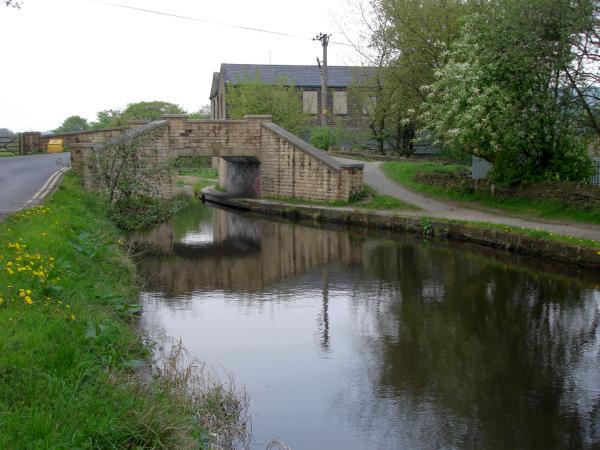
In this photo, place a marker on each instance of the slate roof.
(301, 76)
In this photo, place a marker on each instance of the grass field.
(404, 173)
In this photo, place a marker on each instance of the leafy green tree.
(149, 110)
(107, 118)
(408, 41)
(73, 123)
(253, 96)
(502, 94)
(202, 113)
(135, 111)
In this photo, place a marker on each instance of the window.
(309, 102)
(340, 102)
(369, 105)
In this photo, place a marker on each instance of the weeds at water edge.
(219, 407)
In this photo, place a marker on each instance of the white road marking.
(48, 185)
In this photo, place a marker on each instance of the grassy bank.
(405, 172)
(68, 349)
(368, 199)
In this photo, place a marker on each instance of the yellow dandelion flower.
(72, 317)
(28, 300)
(22, 294)
(28, 291)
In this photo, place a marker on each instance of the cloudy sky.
(66, 57)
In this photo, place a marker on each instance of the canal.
(352, 339)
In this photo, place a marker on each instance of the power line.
(211, 22)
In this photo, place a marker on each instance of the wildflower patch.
(30, 279)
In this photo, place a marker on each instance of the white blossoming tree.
(503, 94)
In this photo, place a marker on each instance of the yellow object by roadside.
(55, 146)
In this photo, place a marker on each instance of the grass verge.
(539, 234)
(404, 173)
(69, 355)
(368, 199)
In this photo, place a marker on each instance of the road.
(22, 177)
(374, 177)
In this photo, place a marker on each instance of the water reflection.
(347, 340)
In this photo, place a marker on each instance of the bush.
(323, 138)
(138, 213)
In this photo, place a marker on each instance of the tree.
(280, 100)
(202, 113)
(149, 110)
(73, 123)
(582, 73)
(135, 111)
(408, 40)
(107, 118)
(12, 3)
(502, 94)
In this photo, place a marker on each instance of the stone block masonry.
(256, 158)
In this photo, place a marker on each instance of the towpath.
(377, 179)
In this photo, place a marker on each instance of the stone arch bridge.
(256, 158)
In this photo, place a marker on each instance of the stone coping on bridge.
(132, 133)
(73, 133)
(322, 156)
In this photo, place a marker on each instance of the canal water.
(349, 339)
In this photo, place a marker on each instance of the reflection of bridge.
(256, 157)
(245, 254)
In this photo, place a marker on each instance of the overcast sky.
(77, 57)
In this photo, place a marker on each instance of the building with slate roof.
(344, 107)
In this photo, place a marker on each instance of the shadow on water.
(350, 339)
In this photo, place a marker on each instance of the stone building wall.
(354, 120)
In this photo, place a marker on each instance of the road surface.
(22, 177)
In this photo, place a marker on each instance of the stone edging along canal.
(490, 237)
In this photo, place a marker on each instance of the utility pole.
(324, 38)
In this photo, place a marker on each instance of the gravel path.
(374, 177)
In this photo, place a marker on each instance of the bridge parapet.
(291, 167)
(219, 138)
(256, 157)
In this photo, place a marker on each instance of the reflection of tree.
(190, 219)
(491, 344)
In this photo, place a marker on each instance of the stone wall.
(291, 167)
(36, 142)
